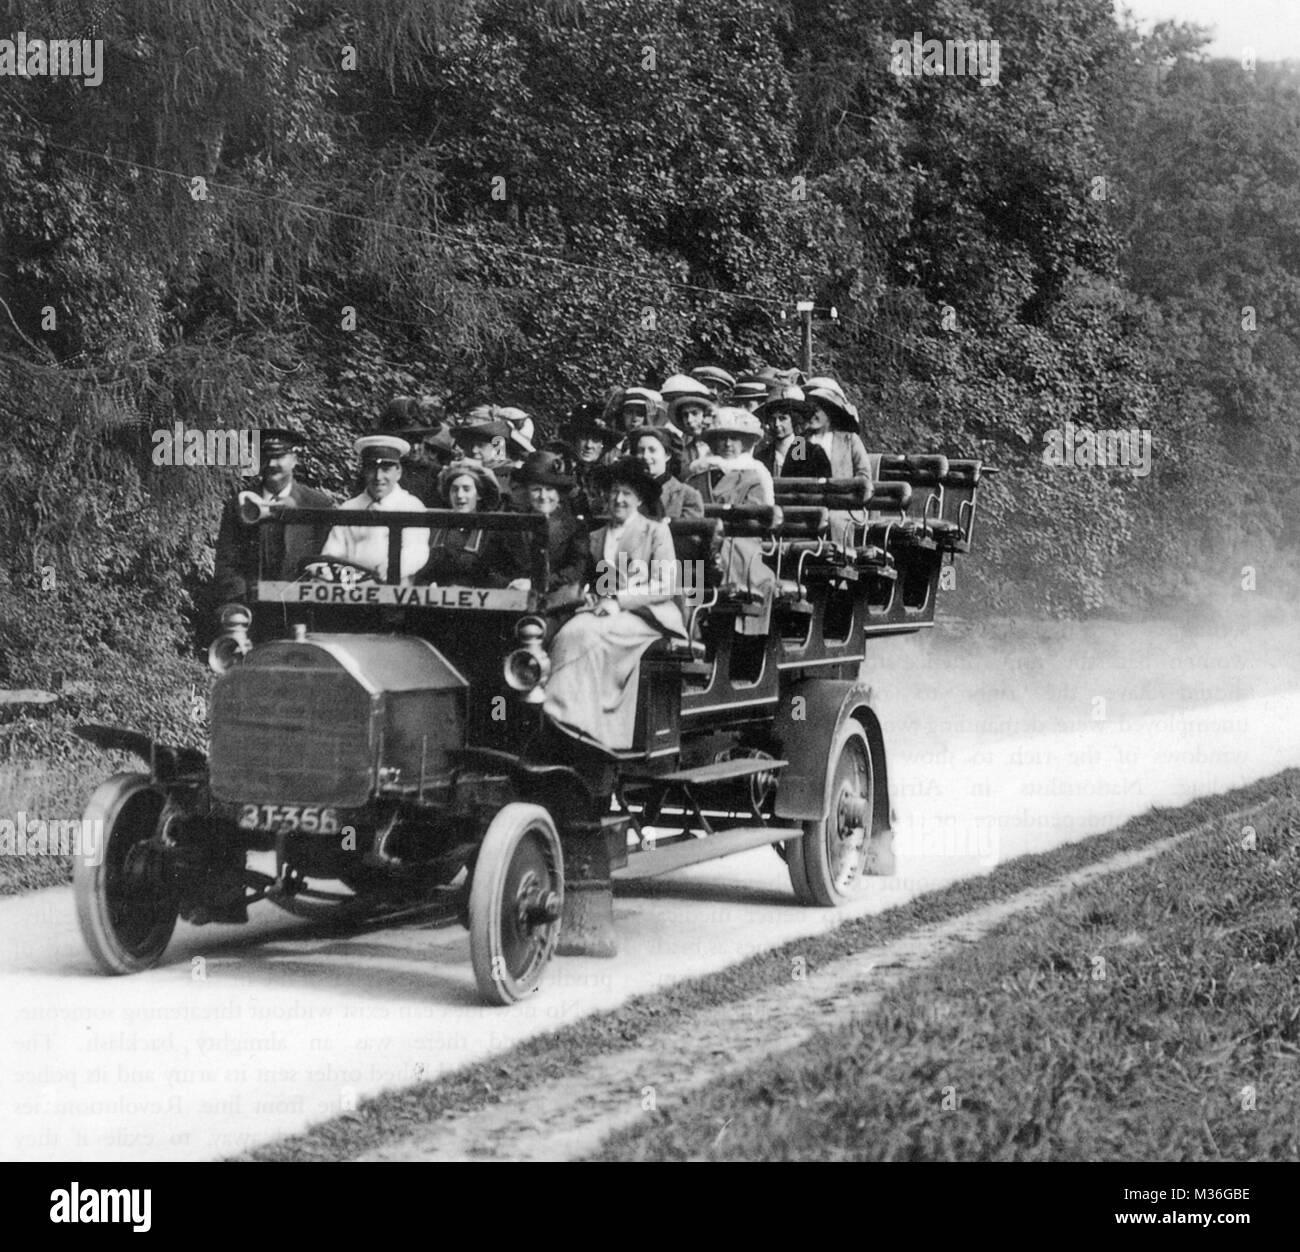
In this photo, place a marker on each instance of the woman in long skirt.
(595, 658)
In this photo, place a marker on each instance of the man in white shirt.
(381, 468)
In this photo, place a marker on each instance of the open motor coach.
(386, 744)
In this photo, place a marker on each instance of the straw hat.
(731, 423)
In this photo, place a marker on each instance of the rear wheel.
(827, 862)
(515, 903)
(126, 904)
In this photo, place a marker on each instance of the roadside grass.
(48, 773)
(398, 1113)
(52, 793)
(1151, 1016)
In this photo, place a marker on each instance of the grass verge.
(1150, 1016)
(396, 1114)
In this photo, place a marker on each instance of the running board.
(657, 861)
(717, 771)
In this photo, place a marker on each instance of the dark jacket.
(802, 460)
(280, 549)
(566, 554)
(471, 558)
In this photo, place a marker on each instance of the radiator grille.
(290, 736)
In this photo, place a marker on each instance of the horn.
(252, 508)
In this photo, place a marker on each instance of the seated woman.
(549, 493)
(784, 452)
(595, 658)
(730, 475)
(832, 425)
(658, 449)
(468, 558)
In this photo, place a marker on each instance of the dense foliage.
(530, 202)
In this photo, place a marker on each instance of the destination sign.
(506, 599)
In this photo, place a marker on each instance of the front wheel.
(516, 900)
(827, 862)
(126, 905)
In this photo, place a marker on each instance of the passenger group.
(608, 486)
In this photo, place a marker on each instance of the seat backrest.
(890, 497)
(752, 520)
(827, 493)
(925, 474)
(803, 522)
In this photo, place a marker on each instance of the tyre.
(516, 900)
(827, 862)
(126, 905)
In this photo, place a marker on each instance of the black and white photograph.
(819, 676)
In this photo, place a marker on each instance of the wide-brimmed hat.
(730, 423)
(489, 490)
(827, 393)
(783, 398)
(543, 469)
(520, 423)
(407, 415)
(716, 379)
(630, 473)
(683, 385)
(656, 411)
(748, 388)
(381, 448)
(670, 438)
(586, 421)
(789, 377)
(484, 432)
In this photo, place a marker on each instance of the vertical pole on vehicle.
(394, 570)
(805, 308)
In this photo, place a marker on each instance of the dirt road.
(246, 1034)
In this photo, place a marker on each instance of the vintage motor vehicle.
(383, 745)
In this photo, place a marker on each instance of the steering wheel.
(338, 570)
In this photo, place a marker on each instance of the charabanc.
(385, 742)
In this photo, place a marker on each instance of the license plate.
(311, 819)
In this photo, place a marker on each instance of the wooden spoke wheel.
(827, 862)
(515, 903)
(126, 904)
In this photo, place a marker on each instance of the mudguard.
(807, 721)
(530, 779)
(167, 762)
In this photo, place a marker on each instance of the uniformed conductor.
(280, 548)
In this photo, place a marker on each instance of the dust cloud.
(1004, 678)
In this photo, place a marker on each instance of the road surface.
(245, 1034)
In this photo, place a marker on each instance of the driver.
(381, 468)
